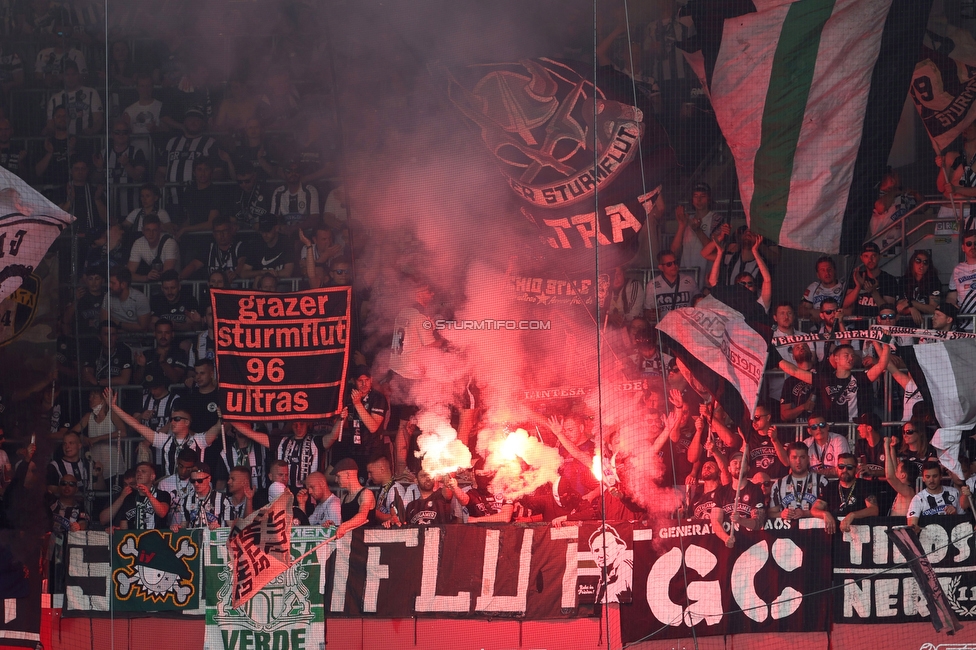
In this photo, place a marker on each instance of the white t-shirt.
(134, 217)
(691, 247)
(826, 456)
(925, 503)
(129, 310)
(962, 283)
(335, 206)
(141, 252)
(412, 331)
(139, 117)
(816, 293)
(664, 296)
(81, 104)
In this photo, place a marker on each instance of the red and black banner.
(283, 354)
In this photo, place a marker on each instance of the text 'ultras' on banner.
(281, 354)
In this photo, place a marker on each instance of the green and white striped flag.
(808, 94)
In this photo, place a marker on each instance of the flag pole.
(730, 542)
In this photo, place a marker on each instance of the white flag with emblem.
(29, 224)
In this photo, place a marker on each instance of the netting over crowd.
(510, 358)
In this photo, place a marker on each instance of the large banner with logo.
(687, 582)
(286, 613)
(281, 355)
(135, 573)
(874, 584)
(671, 579)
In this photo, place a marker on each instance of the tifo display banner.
(20, 591)
(259, 548)
(870, 596)
(758, 586)
(140, 572)
(286, 613)
(537, 123)
(523, 572)
(281, 355)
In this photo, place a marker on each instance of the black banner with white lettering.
(458, 571)
(281, 355)
(537, 123)
(687, 582)
(866, 595)
(20, 590)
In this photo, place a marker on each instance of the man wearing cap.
(357, 502)
(868, 287)
(272, 253)
(205, 507)
(695, 231)
(869, 448)
(943, 319)
(182, 151)
(295, 203)
(355, 433)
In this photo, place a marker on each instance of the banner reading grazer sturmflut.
(282, 355)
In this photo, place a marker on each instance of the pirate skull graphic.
(156, 570)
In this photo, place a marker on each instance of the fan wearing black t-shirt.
(273, 252)
(853, 498)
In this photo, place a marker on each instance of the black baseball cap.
(870, 247)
